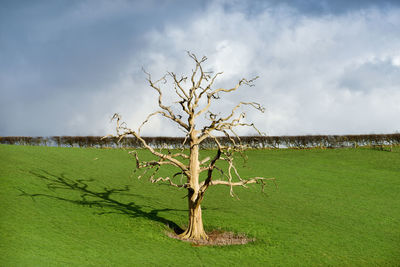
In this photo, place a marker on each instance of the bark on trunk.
(195, 228)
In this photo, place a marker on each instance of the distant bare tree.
(199, 173)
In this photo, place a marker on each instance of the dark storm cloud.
(311, 7)
(66, 45)
(56, 50)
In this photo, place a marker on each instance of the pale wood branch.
(170, 182)
(205, 160)
(214, 94)
(179, 85)
(168, 109)
(253, 104)
(180, 155)
(241, 82)
(127, 131)
(243, 182)
(209, 85)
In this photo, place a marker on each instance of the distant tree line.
(262, 142)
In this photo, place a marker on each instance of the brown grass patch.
(217, 238)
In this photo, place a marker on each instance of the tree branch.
(207, 182)
(167, 179)
(170, 114)
(127, 131)
(241, 183)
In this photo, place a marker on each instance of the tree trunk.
(195, 228)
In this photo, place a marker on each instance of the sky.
(325, 67)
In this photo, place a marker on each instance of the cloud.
(329, 74)
(308, 7)
(329, 69)
(58, 59)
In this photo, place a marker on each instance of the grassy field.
(83, 207)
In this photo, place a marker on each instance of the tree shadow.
(99, 198)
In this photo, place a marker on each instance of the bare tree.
(196, 94)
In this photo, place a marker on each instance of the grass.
(332, 208)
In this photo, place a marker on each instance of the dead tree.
(196, 94)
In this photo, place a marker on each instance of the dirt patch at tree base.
(217, 238)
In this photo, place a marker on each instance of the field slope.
(83, 207)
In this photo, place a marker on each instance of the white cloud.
(327, 74)
(303, 63)
(396, 61)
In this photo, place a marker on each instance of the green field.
(83, 207)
